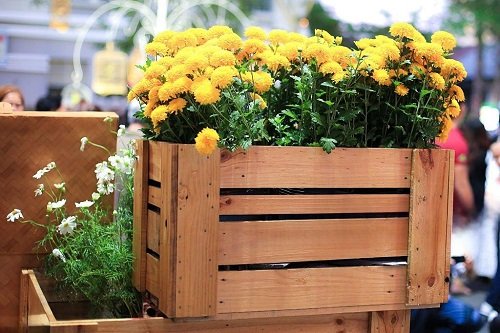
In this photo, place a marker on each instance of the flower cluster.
(283, 88)
(90, 243)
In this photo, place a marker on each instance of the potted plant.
(359, 125)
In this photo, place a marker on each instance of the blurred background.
(85, 51)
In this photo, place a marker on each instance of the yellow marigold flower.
(381, 76)
(176, 72)
(453, 108)
(166, 91)
(278, 36)
(296, 37)
(156, 49)
(444, 39)
(330, 67)
(259, 100)
(230, 41)
(150, 106)
(159, 114)
(401, 90)
(153, 94)
(364, 43)
(200, 34)
(325, 35)
(206, 141)
(181, 40)
(196, 62)
(166, 62)
(436, 81)
(373, 61)
(181, 85)
(252, 46)
(164, 36)
(222, 58)
(446, 126)
(223, 76)
(204, 92)
(453, 70)
(402, 29)
(339, 76)
(389, 51)
(255, 33)
(319, 52)
(218, 30)
(262, 81)
(176, 105)
(418, 70)
(290, 50)
(431, 53)
(154, 71)
(382, 40)
(457, 93)
(276, 61)
(343, 55)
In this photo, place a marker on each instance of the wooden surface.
(28, 142)
(430, 220)
(390, 321)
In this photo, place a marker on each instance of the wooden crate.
(28, 141)
(211, 232)
(37, 314)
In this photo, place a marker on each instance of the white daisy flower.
(16, 214)
(56, 205)
(60, 186)
(58, 254)
(83, 142)
(67, 225)
(39, 190)
(121, 130)
(95, 196)
(84, 204)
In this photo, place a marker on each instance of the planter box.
(291, 231)
(39, 314)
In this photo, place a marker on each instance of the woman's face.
(14, 100)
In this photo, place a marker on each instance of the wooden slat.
(313, 204)
(307, 167)
(167, 158)
(153, 234)
(264, 290)
(140, 216)
(154, 195)
(154, 167)
(310, 240)
(390, 322)
(153, 275)
(451, 182)
(428, 228)
(197, 222)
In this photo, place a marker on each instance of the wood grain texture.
(307, 167)
(310, 240)
(428, 243)
(153, 232)
(390, 322)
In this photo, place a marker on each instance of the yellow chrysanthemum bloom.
(204, 92)
(325, 35)
(181, 85)
(182, 40)
(255, 33)
(159, 114)
(166, 91)
(230, 41)
(319, 52)
(431, 53)
(196, 62)
(206, 141)
(453, 70)
(446, 126)
(166, 62)
(343, 55)
(401, 90)
(252, 46)
(278, 36)
(218, 30)
(176, 72)
(154, 71)
(262, 81)
(150, 106)
(381, 76)
(164, 36)
(444, 39)
(200, 34)
(452, 108)
(290, 50)
(176, 105)
(222, 58)
(457, 93)
(403, 29)
(339, 76)
(418, 70)
(275, 62)
(388, 51)
(330, 67)
(296, 37)
(259, 100)
(364, 43)
(223, 76)
(156, 49)
(436, 81)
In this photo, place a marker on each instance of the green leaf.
(328, 144)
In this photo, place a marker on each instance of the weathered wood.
(140, 227)
(265, 290)
(314, 204)
(310, 240)
(307, 167)
(154, 196)
(153, 275)
(153, 233)
(430, 218)
(390, 322)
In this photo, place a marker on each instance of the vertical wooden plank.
(23, 302)
(168, 155)
(198, 218)
(390, 322)
(430, 219)
(451, 184)
(140, 215)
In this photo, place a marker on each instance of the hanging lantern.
(109, 72)
(59, 12)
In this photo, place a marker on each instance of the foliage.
(282, 88)
(92, 244)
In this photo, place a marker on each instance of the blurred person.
(48, 103)
(12, 95)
